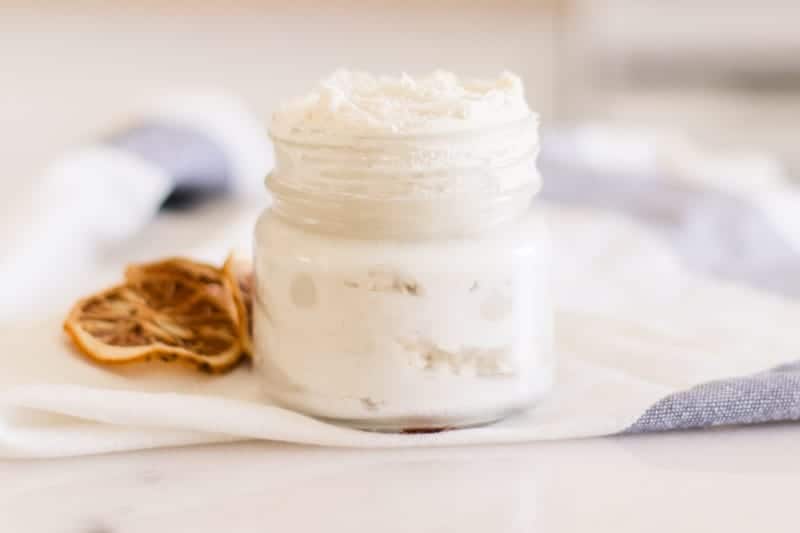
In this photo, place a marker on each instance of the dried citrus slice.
(160, 281)
(175, 267)
(238, 274)
(170, 310)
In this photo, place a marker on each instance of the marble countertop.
(732, 480)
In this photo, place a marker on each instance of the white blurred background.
(727, 72)
(70, 69)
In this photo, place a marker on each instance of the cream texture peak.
(354, 103)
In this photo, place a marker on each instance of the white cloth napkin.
(632, 327)
(55, 227)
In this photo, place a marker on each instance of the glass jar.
(402, 281)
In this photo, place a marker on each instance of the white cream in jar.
(401, 274)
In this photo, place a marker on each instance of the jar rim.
(443, 183)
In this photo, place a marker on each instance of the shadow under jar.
(402, 280)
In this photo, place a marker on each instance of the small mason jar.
(402, 280)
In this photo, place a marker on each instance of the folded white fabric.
(97, 196)
(644, 344)
(633, 328)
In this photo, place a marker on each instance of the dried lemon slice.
(238, 274)
(175, 267)
(172, 310)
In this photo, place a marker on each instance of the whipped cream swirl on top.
(349, 103)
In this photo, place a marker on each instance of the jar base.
(414, 425)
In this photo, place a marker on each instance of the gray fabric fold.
(714, 233)
(769, 396)
(197, 165)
